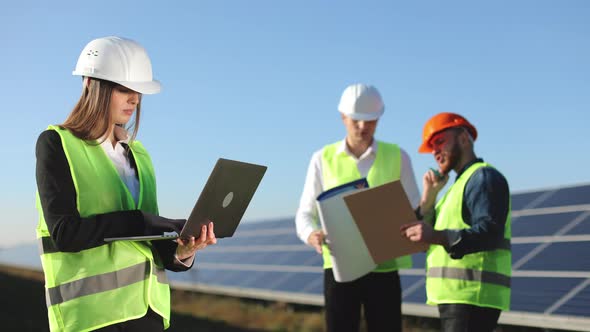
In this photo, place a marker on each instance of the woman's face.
(123, 104)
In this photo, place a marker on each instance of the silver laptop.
(223, 200)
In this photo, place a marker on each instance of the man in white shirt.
(358, 156)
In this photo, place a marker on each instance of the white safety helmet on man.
(118, 60)
(361, 102)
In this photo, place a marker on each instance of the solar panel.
(577, 305)
(413, 289)
(550, 253)
(568, 196)
(532, 294)
(582, 228)
(519, 251)
(419, 260)
(544, 224)
(521, 201)
(562, 256)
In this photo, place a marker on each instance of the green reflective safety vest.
(340, 168)
(114, 282)
(482, 278)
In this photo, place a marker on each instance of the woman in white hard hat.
(95, 181)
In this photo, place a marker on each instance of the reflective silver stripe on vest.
(98, 283)
(103, 282)
(468, 274)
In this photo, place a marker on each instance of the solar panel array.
(550, 253)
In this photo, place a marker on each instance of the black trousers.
(467, 318)
(151, 322)
(379, 294)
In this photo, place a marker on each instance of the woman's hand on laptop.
(156, 225)
(187, 248)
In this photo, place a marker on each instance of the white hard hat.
(361, 102)
(118, 60)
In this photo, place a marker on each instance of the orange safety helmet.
(440, 122)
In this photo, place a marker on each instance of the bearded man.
(468, 264)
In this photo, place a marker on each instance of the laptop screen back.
(225, 197)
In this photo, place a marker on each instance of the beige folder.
(378, 213)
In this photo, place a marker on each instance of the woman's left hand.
(188, 248)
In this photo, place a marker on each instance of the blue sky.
(260, 81)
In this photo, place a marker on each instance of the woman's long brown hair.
(90, 118)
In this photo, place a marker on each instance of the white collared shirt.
(306, 218)
(118, 156)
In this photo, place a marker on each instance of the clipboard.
(379, 212)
